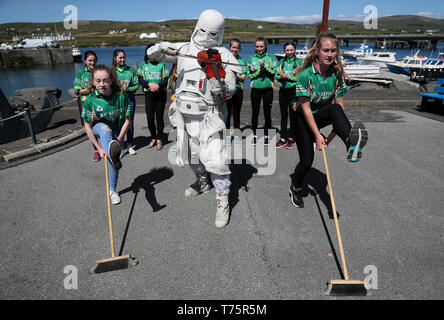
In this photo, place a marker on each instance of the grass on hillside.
(95, 33)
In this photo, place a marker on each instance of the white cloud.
(294, 19)
(431, 15)
(311, 18)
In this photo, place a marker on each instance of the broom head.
(346, 288)
(112, 264)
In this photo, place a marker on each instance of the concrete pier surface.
(54, 220)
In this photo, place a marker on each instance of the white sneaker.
(115, 199)
(132, 151)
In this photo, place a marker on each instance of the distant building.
(260, 27)
(55, 37)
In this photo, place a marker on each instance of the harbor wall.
(29, 57)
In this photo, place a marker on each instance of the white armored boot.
(222, 213)
(201, 185)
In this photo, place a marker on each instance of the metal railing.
(26, 108)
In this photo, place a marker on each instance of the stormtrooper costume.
(199, 110)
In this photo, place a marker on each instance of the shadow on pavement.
(145, 182)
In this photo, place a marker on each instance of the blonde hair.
(311, 56)
(115, 85)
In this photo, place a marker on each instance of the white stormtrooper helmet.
(209, 30)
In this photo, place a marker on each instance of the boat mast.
(324, 26)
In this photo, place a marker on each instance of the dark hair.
(115, 86)
(289, 43)
(236, 40)
(262, 39)
(89, 53)
(149, 45)
(115, 54)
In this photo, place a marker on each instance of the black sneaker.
(357, 139)
(114, 150)
(289, 144)
(296, 197)
(281, 143)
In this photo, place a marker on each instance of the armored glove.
(218, 88)
(164, 48)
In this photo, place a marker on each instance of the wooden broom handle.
(330, 190)
(108, 198)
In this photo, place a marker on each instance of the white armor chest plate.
(192, 93)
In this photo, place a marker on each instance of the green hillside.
(96, 33)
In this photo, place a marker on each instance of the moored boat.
(76, 54)
(404, 65)
(378, 58)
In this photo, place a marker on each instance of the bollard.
(27, 109)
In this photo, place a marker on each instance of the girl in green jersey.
(153, 76)
(234, 104)
(320, 91)
(261, 70)
(128, 80)
(286, 76)
(107, 116)
(81, 82)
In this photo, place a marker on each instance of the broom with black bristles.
(343, 287)
(113, 263)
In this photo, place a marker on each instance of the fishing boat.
(429, 71)
(362, 51)
(404, 65)
(76, 54)
(299, 53)
(302, 53)
(378, 58)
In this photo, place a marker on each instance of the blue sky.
(295, 11)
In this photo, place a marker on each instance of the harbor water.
(62, 75)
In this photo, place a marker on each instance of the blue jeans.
(106, 135)
(130, 132)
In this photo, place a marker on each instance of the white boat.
(299, 53)
(404, 65)
(378, 58)
(302, 53)
(362, 51)
(361, 70)
(76, 54)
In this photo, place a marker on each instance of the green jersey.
(262, 78)
(240, 84)
(81, 80)
(320, 90)
(110, 110)
(154, 72)
(128, 75)
(289, 66)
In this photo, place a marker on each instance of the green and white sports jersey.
(110, 110)
(289, 66)
(240, 84)
(128, 75)
(82, 78)
(320, 90)
(262, 78)
(154, 72)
